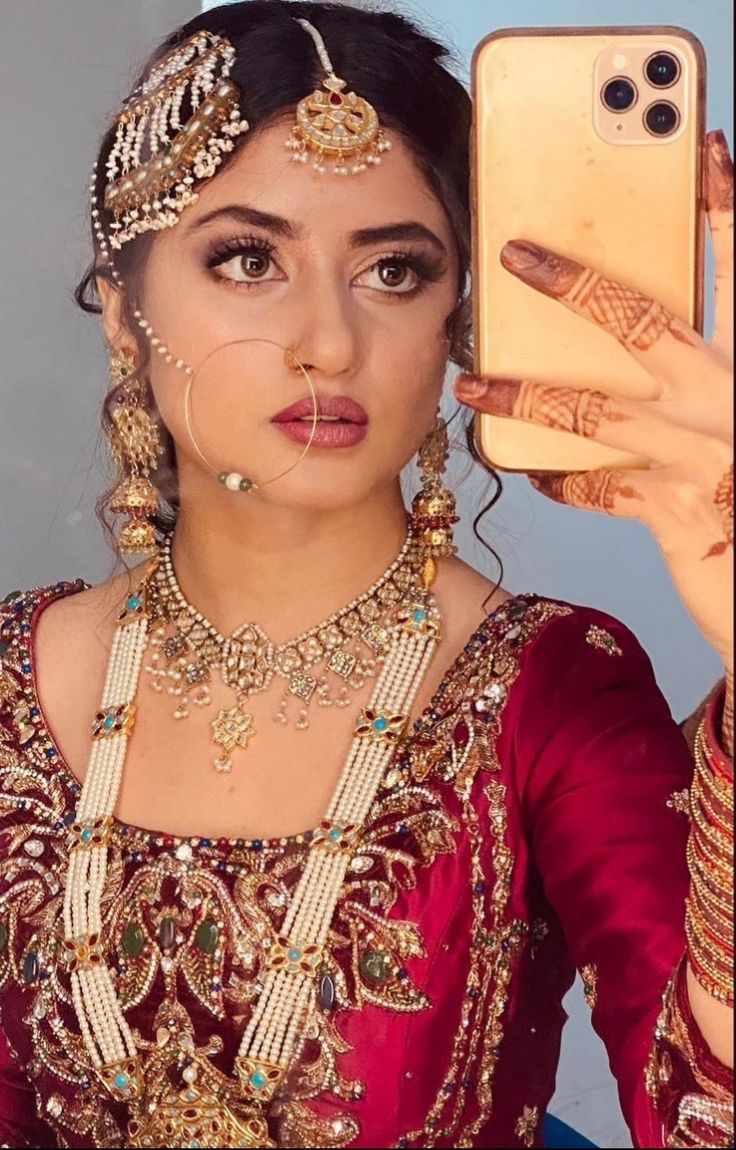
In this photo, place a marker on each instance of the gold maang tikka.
(332, 124)
(135, 444)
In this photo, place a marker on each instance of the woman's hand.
(686, 498)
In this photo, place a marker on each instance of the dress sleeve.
(19, 1123)
(603, 771)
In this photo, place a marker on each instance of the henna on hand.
(589, 490)
(723, 500)
(632, 318)
(563, 408)
(719, 182)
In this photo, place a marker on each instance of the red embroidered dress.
(530, 823)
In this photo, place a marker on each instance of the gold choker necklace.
(327, 664)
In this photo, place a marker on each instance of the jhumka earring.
(135, 445)
(433, 508)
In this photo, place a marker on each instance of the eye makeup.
(427, 267)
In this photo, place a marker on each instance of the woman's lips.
(341, 421)
(326, 434)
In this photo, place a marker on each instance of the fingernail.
(719, 181)
(717, 142)
(470, 386)
(518, 255)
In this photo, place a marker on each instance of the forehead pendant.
(335, 125)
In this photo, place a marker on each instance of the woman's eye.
(246, 267)
(392, 276)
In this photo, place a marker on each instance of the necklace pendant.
(232, 728)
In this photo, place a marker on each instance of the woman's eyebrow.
(395, 233)
(363, 237)
(252, 217)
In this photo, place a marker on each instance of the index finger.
(719, 203)
(645, 327)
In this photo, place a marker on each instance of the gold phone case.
(551, 165)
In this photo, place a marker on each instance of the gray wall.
(64, 67)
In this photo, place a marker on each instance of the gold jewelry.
(129, 1066)
(708, 921)
(332, 124)
(233, 480)
(433, 509)
(156, 159)
(324, 664)
(135, 444)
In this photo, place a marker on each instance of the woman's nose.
(324, 333)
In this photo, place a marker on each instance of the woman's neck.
(284, 569)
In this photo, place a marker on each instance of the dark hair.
(401, 71)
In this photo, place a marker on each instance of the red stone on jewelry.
(335, 98)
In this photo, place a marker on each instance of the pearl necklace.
(273, 1036)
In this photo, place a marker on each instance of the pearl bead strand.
(288, 995)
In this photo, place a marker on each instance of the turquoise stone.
(109, 722)
(134, 940)
(206, 936)
(258, 1080)
(4, 936)
(86, 835)
(420, 616)
(122, 1081)
(380, 725)
(294, 954)
(133, 602)
(334, 835)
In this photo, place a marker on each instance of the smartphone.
(590, 142)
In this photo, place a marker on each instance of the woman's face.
(356, 274)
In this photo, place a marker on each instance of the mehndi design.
(628, 315)
(592, 490)
(581, 412)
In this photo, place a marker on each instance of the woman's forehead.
(263, 176)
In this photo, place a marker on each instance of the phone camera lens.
(662, 69)
(619, 94)
(661, 119)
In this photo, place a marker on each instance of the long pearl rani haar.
(275, 1030)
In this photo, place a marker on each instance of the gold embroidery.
(603, 640)
(179, 917)
(713, 1105)
(589, 975)
(526, 1125)
(680, 801)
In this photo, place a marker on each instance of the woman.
(181, 963)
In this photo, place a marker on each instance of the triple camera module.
(661, 70)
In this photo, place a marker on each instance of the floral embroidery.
(603, 640)
(589, 975)
(526, 1126)
(189, 916)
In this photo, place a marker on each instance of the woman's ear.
(112, 314)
